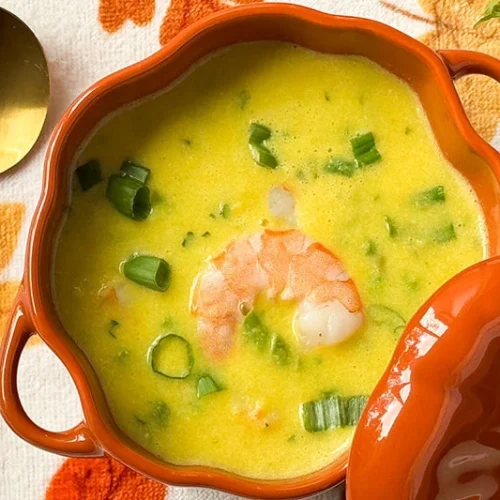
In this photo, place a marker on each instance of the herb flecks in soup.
(243, 252)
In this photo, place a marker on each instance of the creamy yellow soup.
(401, 227)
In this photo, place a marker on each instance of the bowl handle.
(469, 62)
(77, 441)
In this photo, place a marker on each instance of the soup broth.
(401, 221)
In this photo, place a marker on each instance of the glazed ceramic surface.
(425, 71)
(434, 418)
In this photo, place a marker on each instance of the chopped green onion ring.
(89, 174)
(341, 166)
(331, 412)
(129, 196)
(160, 349)
(390, 226)
(136, 171)
(188, 239)
(279, 350)
(255, 331)
(225, 210)
(149, 271)
(258, 133)
(207, 385)
(363, 147)
(371, 156)
(263, 156)
(362, 143)
(444, 234)
(430, 197)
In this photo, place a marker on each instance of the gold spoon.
(24, 89)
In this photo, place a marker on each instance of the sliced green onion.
(341, 166)
(332, 412)
(327, 96)
(313, 416)
(369, 247)
(136, 171)
(258, 133)
(255, 331)
(263, 156)
(89, 174)
(362, 143)
(205, 234)
(171, 356)
(390, 226)
(363, 147)
(354, 409)
(225, 210)
(444, 234)
(207, 385)
(149, 271)
(187, 142)
(279, 350)
(243, 98)
(369, 157)
(430, 197)
(160, 413)
(188, 239)
(123, 356)
(113, 325)
(129, 196)
(383, 315)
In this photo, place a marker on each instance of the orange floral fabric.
(101, 479)
(8, 292)
(182, 13)
(114, 13)
(11, 217)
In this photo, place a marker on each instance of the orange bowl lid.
(431, 428)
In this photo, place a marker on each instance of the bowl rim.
(71, 355)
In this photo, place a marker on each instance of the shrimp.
(285, 264)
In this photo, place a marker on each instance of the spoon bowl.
(24, 89)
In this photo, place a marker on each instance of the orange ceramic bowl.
(429, 73)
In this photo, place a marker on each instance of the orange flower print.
(181, 13)
(101, 479)
(8, 292)
(11, 217)
(452, 27)
(114, 13)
